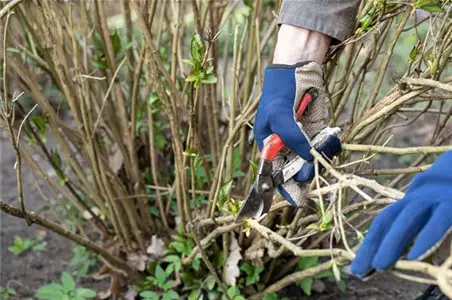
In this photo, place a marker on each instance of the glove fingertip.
(383, 260)
(415, 254)
(306, 173)
(331, 147)
(360, 266)
(433, 233)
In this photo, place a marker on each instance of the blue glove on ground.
(283, 88)
(425, 212)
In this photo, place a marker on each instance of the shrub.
(144, 113)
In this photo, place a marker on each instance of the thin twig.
(395, 171)
(23, 122)
(428, 82)
(104, 101)
(8, 7)
(397, 151)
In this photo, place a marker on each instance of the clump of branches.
(144, 112)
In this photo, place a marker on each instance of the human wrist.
(296, 44)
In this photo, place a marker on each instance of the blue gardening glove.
(283, 89)
(329, 148)
(425, 212)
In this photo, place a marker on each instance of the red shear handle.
(274, 144)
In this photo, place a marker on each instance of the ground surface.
(29, 271)
(382, 287)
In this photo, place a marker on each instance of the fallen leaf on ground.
(232, 270)
(156, 248)
(137, 261)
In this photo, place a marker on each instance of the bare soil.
(32, 269)
(382, 287)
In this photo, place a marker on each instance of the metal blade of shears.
(252, 207)
(260, 197)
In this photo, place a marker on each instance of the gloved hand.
(425, 212)
(283, 89)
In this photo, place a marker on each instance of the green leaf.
(27, 243)
(40, 123)
(270, 296)
(253, 168)
(328, 217)
(239, 14)
(160, 275)
(168, 285)
(169, 269)
(178, 246)
(307, 262)
(98, 64)
(306, 285)
(55, 156)
(39, 247)
(31, 137)
(234, 206)
(85, 293)
(215, 295)
(171, 258)
(56, 160)
(159, 141)
(359, 236)
(177, 266)
(336, 272)
(365, 21)
(413, 54)
(13, 50)
(68, 282)
(189, 61)
(223, 195)
(196, 264)
(211, 79)
(149, 295)
(197, 48)
(154, 211)
(209, 70)
(172, 294)
(16, 250)
(247, 268)
(18, 241)
(210, 283)
(429, 5)
(127, 46)
(50, 291)
(116, 42)
(194, 294)
(192, 77)
(233, 291)
(341, 286)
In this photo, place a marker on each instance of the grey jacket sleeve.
(335, 18)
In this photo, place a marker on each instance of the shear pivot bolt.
(265, 187)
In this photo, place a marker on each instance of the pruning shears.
(259, 200)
